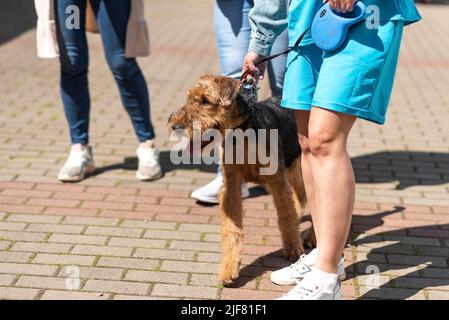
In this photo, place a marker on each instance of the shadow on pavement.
(420, 247)
(409, 247)
(403, 168)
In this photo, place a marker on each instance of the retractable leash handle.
(329, 29)
(274, 56)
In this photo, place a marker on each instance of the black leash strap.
(274, 56)
(297, 43)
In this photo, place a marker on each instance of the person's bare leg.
(302, 122)
(333, 183)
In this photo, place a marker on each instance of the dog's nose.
(177, 127)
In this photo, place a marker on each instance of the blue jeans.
(233, 34)
(112, 20)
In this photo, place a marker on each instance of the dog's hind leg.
(297, 183)
(288, 216)
(231, 227)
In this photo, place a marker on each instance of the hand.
(249, 64)
(341, 5)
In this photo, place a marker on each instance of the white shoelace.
(300, 264)
(299, 292)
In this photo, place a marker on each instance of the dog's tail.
(297, 183)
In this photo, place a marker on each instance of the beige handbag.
(91, 21)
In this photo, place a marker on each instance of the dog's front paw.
(228, 274)
(293, 253)
(309, 238)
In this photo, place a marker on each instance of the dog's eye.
(201, 100)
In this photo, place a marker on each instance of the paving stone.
(6, 279)
(180, 235)
(243, 294)
(194, 267)
(22, 236)
(422, 283)
(4, 244)
(9, 293)
(117, 232)
(209, 257)
(33, 218)
(72, 295)
(42, 282)
(391, 293)
(12, 226)
(393, 270)
(56, 248)
(199, 228)
(191, 245)
(414, 240)
(156, 277)
(437, 295)
(204, 280)
(149, 224)
(124, 287)
(77, 239)
(58, 211)
(181, 255)
(137, 243)
(128, 263)
(55, 228)
(65, 260)
(168, 290)
(436, 273)
(14, 208)
(130, 297)
(90, 221)
(102, 250)
(94, 273)
(415, 260)
(31, 269)
(20, 257)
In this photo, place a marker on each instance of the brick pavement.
(149, 240)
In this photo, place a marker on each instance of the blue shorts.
(357, 79)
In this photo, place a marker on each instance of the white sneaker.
(149, 167)
(79, 164)
(317, 285)
(209, 192)
(290, 275)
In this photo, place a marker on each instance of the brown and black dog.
(220, 103)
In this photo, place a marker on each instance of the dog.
(222, 103)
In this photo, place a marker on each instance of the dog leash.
(245, 76)
(296, 45)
